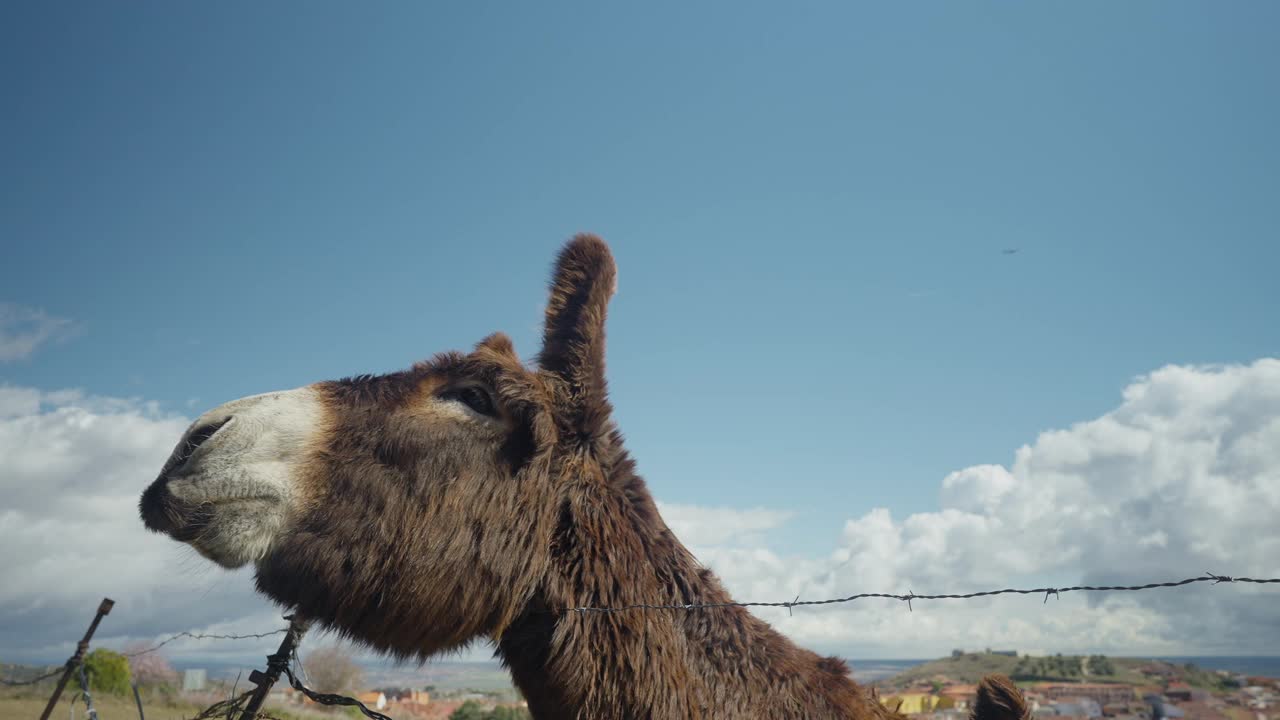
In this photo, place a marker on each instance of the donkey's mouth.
(192, 525)
(232, 532)
(184, 521)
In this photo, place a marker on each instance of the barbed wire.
(91, 713)
(203, 636)
(281, 662)
(330, 698)
(33, 681)
(153, 648)
(227, 707)
(910, 596)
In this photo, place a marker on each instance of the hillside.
(971, 667)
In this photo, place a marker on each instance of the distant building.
(962, 695)
(375, 700)
(1160, 709)
(1236, 680)
(914, 703)
(1202, 711)
(194, 680)
(1076, 707)
(1127, 710)
(412, 702)
(403, 695)
(1101, 693)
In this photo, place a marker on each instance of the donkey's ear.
(573, 339)
(499, 344)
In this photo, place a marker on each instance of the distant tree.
(469, 710)
(149, 669)
(505, 712)
(108, 672)
(1101, 665)
(331, 670)
(957, 653)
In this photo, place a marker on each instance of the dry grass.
(26, 705)
(108, 707)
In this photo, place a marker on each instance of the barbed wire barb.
(792, 604)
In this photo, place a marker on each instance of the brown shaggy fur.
(421, 533)
(999, 699)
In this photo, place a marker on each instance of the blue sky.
(808, 209)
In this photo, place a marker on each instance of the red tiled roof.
(960, 690)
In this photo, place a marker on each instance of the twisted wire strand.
(32, 681)
(203, 636)
(282, 662)
(330, 698)
(166, 641)
(911, 596)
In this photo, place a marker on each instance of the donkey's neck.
(645, 663)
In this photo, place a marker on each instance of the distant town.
(1084, 687)
(1074, 687)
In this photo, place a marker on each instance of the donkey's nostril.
(196, 439)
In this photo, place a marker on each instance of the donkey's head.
(414, 510)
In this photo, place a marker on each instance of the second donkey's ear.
(573, 338)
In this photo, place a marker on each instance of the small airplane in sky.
(1009, 251)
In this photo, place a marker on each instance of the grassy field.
(18, 704)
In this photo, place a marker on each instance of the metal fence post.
(138, 699)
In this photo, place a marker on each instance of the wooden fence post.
(265, 680)
(74, 661)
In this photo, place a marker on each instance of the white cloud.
(1183, 477)
(73, 468)
(697, 525)
(23, 329)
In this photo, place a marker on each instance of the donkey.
(473, 497)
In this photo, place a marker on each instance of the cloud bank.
(71, 470)
(1182, 477)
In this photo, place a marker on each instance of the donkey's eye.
(477, 399)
